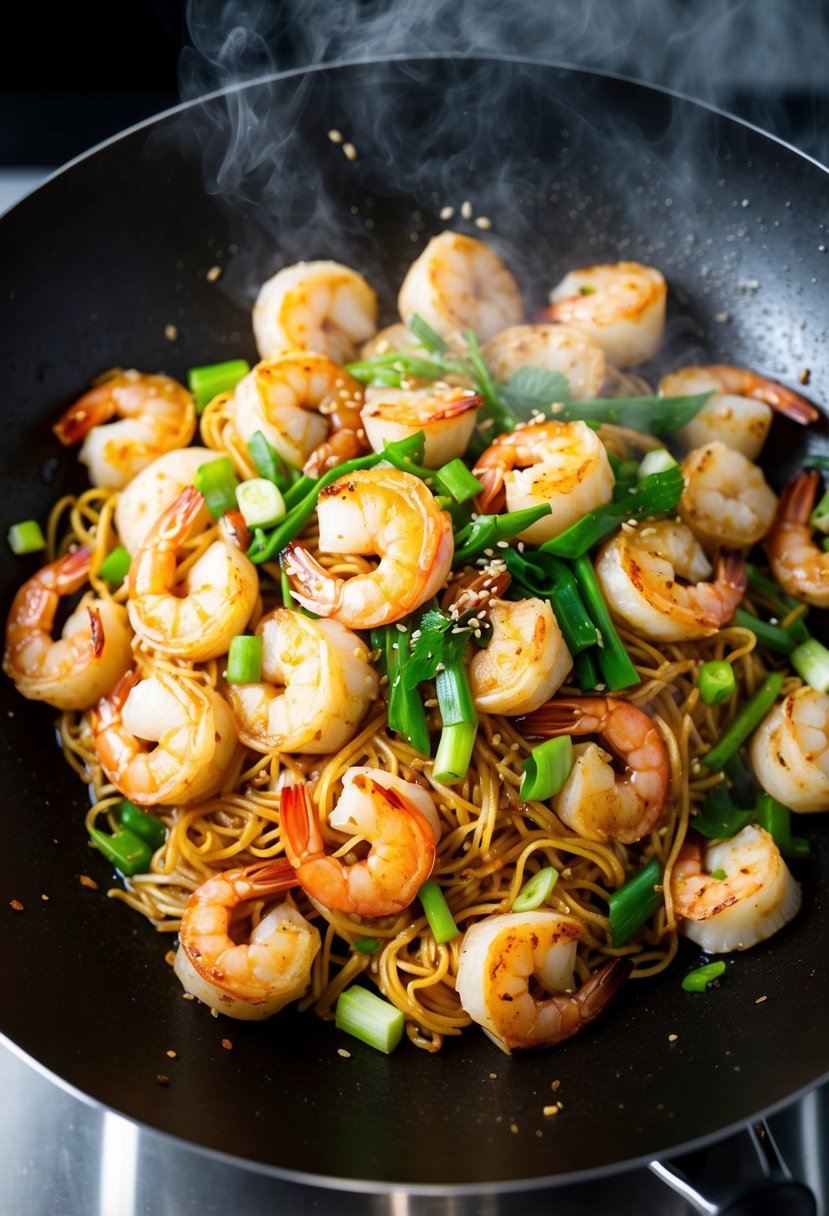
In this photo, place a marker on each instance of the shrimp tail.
(109, 707)
(299, 824)
(597, 992)
(96, 627)
(798, 499)
(564, 716)
(731, 570)
(266, 878)
(93, 408)
(493, 495)
(313, 586)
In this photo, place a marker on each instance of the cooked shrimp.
(155, 415)
(726, 500)
(306, 406)
(381, 511)
(314, 306)
(347, 814)
(757, 897)
(639, 572)
(525, 661)
(555, 348)
(385, 882)
(562, 463)
(799, 566)
(164, 739)
(790, 751)
(317, 683)
(195, 620)
(393, 338)
(154, 488)
(621, 305)
(505, 958)
(740, 410)
(252, 979)
(445, 415)
(457, 284)
(595, 801)
(92, 653)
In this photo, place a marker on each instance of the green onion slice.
(811, 662)
(456, 479)
(216, 480)
(260, 502)
(633, 903)
(716, 682)
(116, 566)
(745, 721)
(536, 890)
(141, 823)
(26, 537)
(657, 461)
(207, 382)
(369, 1018)
(547, 768)
(698, 981)
(244, 660)
(367, 945)
(437, 913)
(127, 852)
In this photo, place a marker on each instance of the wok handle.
(776, 1191)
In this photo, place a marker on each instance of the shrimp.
(639, 571)
(726, 499)
(192, 730)
(457, 284)
(385, 882)
(562, 463)
(595, 801)
(505, 958)
(314, 306)
(740, 411)
(327, 684)
(94, 648)
(621, 305)
(382, 511)
(756, 897)
(790, 751)
(306, 406)
(800, 567)
(555, 348)
(446, 416)
(154, 488)
(526, 660)
(155, 415)
(251, 980)
(393, 338)
(346, 816)
(219, 592)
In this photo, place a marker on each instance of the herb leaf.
(532, 390)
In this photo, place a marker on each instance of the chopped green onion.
(550, 578)
(406, 714)
(244, 660)
(655, 415)
(716, 682)
(115, 567)
(536, 890)
(720, 875)
(633, 903)
(547, 768)
(741, 781)
(260, 502)
(820, 516)
(811, 662)
(26, 537)
(456, 479)
(207, 382)
(485, 531)
(367, 945)
(269, 463)
(428, 338)
(758, 580)
(288, 600)
(745, 722)
(659, 460)
(614, 661)
(369, 1018)
(454, 752)
(824, 544)
(127, 852)
(436, 910)
(770, 637)
(777, 820)
(587, 673)
(494, 407)
(216, 480)
(719, 818)
(698, 981)
(141, 824)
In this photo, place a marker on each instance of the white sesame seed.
(466, 210)
(483, 221)
(350, 151)
(446, 213)
(336, 137)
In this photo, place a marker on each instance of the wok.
(572, 167)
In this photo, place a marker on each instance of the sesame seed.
(170, 333)
(672, 1038)
(550, 1110)
(214, 273)
(483, 221)
(446, 213)
(341, 1051)
(172, 1054)
(336, 137)
(760, 1000)
(350, 151)
(466, 210)
(162, 1079)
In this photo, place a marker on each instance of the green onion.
(820, 516)
(547, 768)
(656, 494)
(457, 739)
(720, 875)
(127, 852)
(485, 531)
(436, 910)
(719, 818)
(115, 567)
(269, 464)
(288, 600)
(244, 660)
(655, 415)
(141, 824)
(758, 580)
(777, 820)
(260, 502)
(367, 945)
(536, 891)
(369, 1018)
(26, 537)
(626, 474)
(456, 479)
(300, 489)
(741, 782)
(770, 637)
(428, 338)
(633, 903)
(460, 722)
(406, 715)
(698, 981)
(716, 682)
(207, 382)
(745, 721)
(505, 419)
(614, 661)
(811, 662)
(217, 482)
(587, 673)
(659, 460)
(549, 578)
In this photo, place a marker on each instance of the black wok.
(571, 167)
